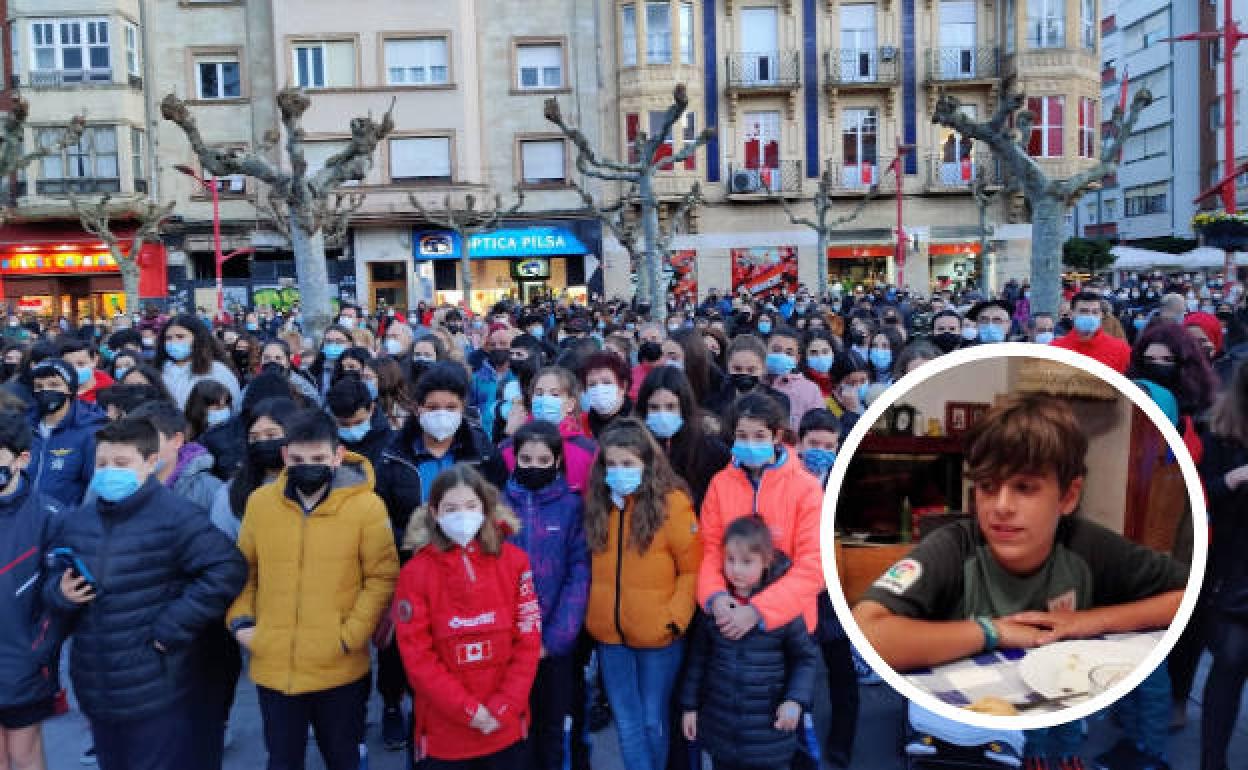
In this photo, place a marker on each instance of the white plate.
(1062, 668)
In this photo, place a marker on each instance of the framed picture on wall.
(961, 415)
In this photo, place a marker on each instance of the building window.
(137, 159)
(542, 161)
(628, 36)
(133, 62)
(1145, 200)
(324, 64)
(1088, 23)
(688, 138)
(1087, 127)
(1153, 143)
(90, 166)
(418, 62)
(230, 186)
(632, 127)
(70, 51)
(1010, 26)
(665, 149)
(686, 32)
(422, 159)
(1046, 23)
(1110, 209)
(1047, 124)
(658, 32)
(218, 79)
(318, 153)
(859, 147)
(540, 66)
(1146, 33)
(1215, 115)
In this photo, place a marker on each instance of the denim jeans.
(639, 684)
(1145, 713)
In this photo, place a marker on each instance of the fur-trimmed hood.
(422, 530)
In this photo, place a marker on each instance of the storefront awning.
(868, 251)
(512, 242)
(959, 249)
(39, 250)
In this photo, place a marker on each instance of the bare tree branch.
(215, 160)
(687, 203)
(95, 219)
(335, 217)
(354, 161)
(1111, 150)
(585, 153)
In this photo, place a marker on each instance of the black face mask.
(50, 401)
(857, 337)
(241, 357)
(535, 478)
(649, 351)
(307, 479)
(7, 370)
(947, 341)
(744, 382)
(498, 358)
(266, 454)
(454, 328)
(273, 367)
(1162, 374)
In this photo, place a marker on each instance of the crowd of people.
(490, 518)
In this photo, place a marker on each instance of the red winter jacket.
(469, 629)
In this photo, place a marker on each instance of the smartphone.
(65, 557)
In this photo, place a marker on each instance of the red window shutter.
(632, 123)
(1057, 122)
(772, 154)
(751, 153)
(1034, 145)
(664, 151)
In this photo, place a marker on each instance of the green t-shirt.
(952, 575)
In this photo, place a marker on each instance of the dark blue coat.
(29, 641)
(62, 464)
(737, 686)
(163, 573)
(552, 534)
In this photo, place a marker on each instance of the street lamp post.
(218, 259)
(900, 256)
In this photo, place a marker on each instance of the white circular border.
(827, 534)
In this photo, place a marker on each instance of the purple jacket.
(552, 534)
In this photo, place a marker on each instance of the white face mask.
(604, 398)
(393, 347)
(461, 526)
(440, 423)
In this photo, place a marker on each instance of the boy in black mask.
(62, 457)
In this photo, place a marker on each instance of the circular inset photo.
(1014, 535)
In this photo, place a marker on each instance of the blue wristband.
(991, 637)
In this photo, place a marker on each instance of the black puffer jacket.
(227, 443)
(402, 469)
(29, 640)
(163, 573)
(736, 687)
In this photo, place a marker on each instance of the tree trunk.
(821, 259)
(652, 266)
(1047, 220)
(981, 263)
(129, 280)
(465, 271)
(313, 277)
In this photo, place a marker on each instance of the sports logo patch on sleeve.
(403, 610)
(899, 577)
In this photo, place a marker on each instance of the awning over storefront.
(1132, 258)
(868, 251)
(516, 239)
(959, 249)
(44, 251)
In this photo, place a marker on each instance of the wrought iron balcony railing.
(951, 64)
(849, 67)
(781, 177)
(768, 70)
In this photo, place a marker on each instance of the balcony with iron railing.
(764, 72)
(958, 174)
(77, 186)
(858, 178)
(963, 64)
(60, 78)
(783, 177)
(863, 67)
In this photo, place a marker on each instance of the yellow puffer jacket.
(317, 584)
(645, 600)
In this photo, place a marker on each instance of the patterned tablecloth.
(965, 681)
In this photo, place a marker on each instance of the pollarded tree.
(639, 173)
(14, 158)
(305, 206)
(1049, 199)
(824, 227)
(467, 221)
(96, 219)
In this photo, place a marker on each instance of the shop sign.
(530, 269)
(61, 262)
(538, 241)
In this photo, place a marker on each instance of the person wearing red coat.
(468, 626)
(1087, 336)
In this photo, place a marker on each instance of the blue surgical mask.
(1044, 338)
(753, 455)
(252, 326)
(585, 402)
(333, 350)
(355, 433)
(217, 416)
(862, 392)
(881, 359)
(991, 333)
(764, 327)
(371, 386)
(1140, 323)
(821, 364)
(114, 484)
(85, 374)
(818, 461)
(120, 373)
(548, 408)
(664, 424)
(1087, 324)
(178, 351)
(780, 363)
(623, 481)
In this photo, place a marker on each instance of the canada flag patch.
(474, 652)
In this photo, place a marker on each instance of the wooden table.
(860, 565)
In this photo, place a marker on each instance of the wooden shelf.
(919, 445)
(861, 565)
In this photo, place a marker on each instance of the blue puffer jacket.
(61, 464)
(551, 533)
(163, 572)
(29, 641)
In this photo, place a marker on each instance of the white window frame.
(138, 159)
(446, 178)
(546, 146)
(1041, 123)
(81, 160)
(1090, 125)
(658, 41)
(426, 68)
(324, 47)
(628, 35)
(1046, 23)
(688, 53)
(134, 54)
(219, 63)
(88, 31)
(541, 71)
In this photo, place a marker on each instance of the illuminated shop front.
(52, 273)
(860, 265)
(522, 260)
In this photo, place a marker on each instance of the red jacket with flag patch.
(469, 631)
